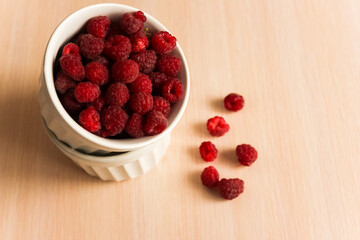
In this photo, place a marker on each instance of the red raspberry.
(156, 123)
(132, 22)
(246, 154)
(234, 102)
(146, 60)
(72, 66)
(135, 126)
(163, 42)
(117, 47)
(90, 46)
(208, 151)
(90, 119)
(125, 71)
(63, 82)
(162, 105)
(96, 73)
(101, 59)
(230, 188)
(98, 103)
(158, 79)
(217, 126)
(102, 133)
(169, 64)
(141, 84)
(117, 94)
(70, 103)
(141, 102)
(139, 41)
(98, 26)
(78, 39)
(210, 177)
(173, 90)
(113, 118)
(86, 92)
(71, 48)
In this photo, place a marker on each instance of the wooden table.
(297, 63)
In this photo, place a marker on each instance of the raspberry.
(208, 151)
(162, 105)
(217, 126)
(246, 154)
(173, 90)
(141, 102)
(69, 102)
(125, 71)
(230, 188)
(139, 41)
(78, 39)
(90, 46)
(158, 79)
(90, 119)
(72, 66)
(101, 59)
(86, 92)
(146, 60)
(96, 73)
(132, 22)
(117, 94)
(98, 26)
(163, 42)
(210, 177)
(155, 123)
(71, 48)
(117, 47)
(98, 103)
(141, 84)
(134, 127)
(113, 118)
(234, 102)
(169, 64)
(102, 133)
(63, 82)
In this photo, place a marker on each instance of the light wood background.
(297, 63)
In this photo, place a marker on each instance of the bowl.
(60, 122)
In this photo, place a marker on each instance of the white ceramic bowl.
(56, 117)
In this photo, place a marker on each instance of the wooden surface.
(297, 63)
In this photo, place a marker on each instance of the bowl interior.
(72, 25)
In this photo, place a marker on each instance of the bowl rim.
(116, 144)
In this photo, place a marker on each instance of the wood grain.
(297, 63)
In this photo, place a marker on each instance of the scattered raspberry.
(163, 42)
(99, 26)
(141, 102)
(156, 123)
(132, 22)
(117, 47)
(113, 118)
(146, 60)
(98, 103)
(72, 67)
(246, 154)
(210, 177)
(117, 94)
(234, 102)
(139, 41)
(173, 90)
(71, 48)
(158, 79)
(86, 92)
(141, 84)
(208, 151)
(90, 46)
(69, 102)
(169, 64)
(134, 127)
(217, 126)
(63, 82)
(162, 105)
(97, 73)
(230, 188)
(101, 59)
(125, 71)
(90, 119)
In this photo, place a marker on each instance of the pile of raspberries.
(117, 81)
(246, 154)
